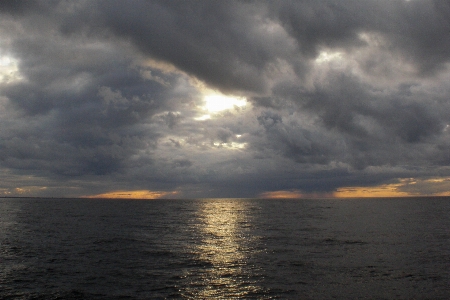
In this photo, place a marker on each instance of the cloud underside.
(343, 98)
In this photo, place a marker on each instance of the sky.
(189, 99)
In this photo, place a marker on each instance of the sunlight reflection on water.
(226, 247)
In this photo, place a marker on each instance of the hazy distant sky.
(181, 99)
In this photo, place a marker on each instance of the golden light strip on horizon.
(138, 194)
(406, 187)
(281, 194)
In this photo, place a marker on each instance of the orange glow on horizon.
(294, 194)
(139, 194)
(281, 194)
(406, 187)
(443, 194)
(386, 190)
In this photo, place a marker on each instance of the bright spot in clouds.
(326, 57)
(8, 70)
(218, 102)
(203, 118)
(5, 61)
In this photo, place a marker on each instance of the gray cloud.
(339, 94)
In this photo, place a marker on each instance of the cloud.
(105, 96)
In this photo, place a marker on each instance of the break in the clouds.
(224, 98)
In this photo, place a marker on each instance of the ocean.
(395, 248)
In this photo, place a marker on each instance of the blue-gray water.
(224, 249)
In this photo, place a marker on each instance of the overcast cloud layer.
(103, 96)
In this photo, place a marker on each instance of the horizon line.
(215, 198)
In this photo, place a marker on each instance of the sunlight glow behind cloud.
(325, 56)
(218, 102)
(9, 71)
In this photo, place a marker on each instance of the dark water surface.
(224, 249)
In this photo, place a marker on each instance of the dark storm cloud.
(213, 40)
(347, 106)
(87, 99)
(343, 93)
(418, 30)
(15, 6)
(362, 125)
(233, 45)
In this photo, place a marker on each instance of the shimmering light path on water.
(225, 248)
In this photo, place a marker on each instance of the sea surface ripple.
(225, 249)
